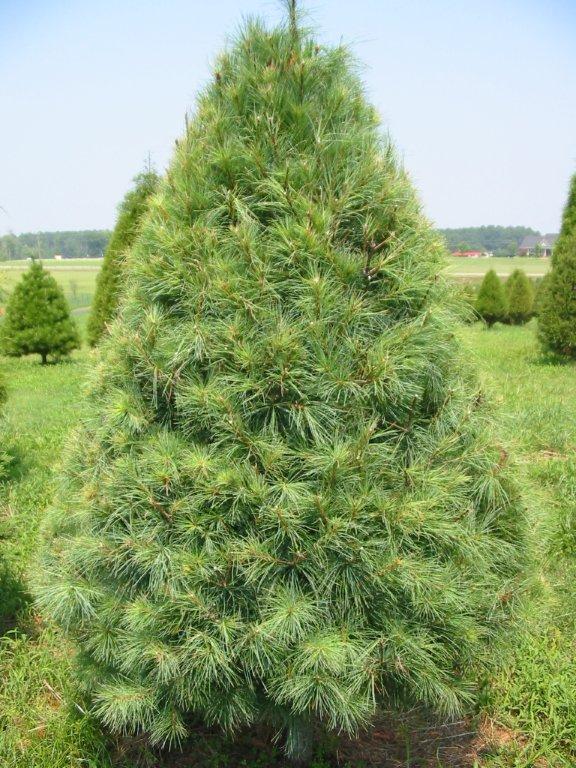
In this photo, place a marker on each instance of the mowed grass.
(532, 703)
(77, 277)
(477, 268)
(528, 713)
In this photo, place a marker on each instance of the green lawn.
(78, 276)
(477, 268)
(88, 263)
(528, 714)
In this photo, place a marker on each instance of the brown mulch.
(413, 740)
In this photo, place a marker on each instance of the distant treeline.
(46, 245)
(501, 241)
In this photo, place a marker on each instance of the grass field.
(76, 276)
(528, 714)
(477, 268)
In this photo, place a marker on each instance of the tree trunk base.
(300, 742)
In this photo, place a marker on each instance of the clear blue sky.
(479, 96)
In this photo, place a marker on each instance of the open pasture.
(76, 276)
(475, 269)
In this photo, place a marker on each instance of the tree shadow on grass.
(14, 598)
(552, 359)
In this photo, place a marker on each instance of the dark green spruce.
(491, 304)
(37, 319)
(557, 310)
(109, 281)
(287, 504)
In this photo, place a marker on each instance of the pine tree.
(491, 303)
(286, 504)
(38, 318)
(468, 296)
(557, 317)
(541, 288)
(519, 297)
(109, 281)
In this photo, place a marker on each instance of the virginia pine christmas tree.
(38, 318)
(491, 303)
(109, 281)
(557, 311)
(286, 505)
(539, 298)
(519, 297)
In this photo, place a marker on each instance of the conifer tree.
(468, 295)
(109, 281)
(541, 288)
(38, 318)
(491, 303)
(286, 504)
(557, 316)
(519, 297)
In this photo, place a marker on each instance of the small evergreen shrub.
(520, 297)
(540, 292)
(38, 318)
(109, 281)
(557, 316)
(491, 303)
(286, 504)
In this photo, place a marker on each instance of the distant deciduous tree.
(45, 245)
(38, 318)
(501, 241)
(491, 303)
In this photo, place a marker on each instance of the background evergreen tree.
(540, 291)
(557, 317)
(37, 319)
(491, 303)
(285, 504)
(109, 281)
(519, 297)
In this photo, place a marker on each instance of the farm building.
(471, 254)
